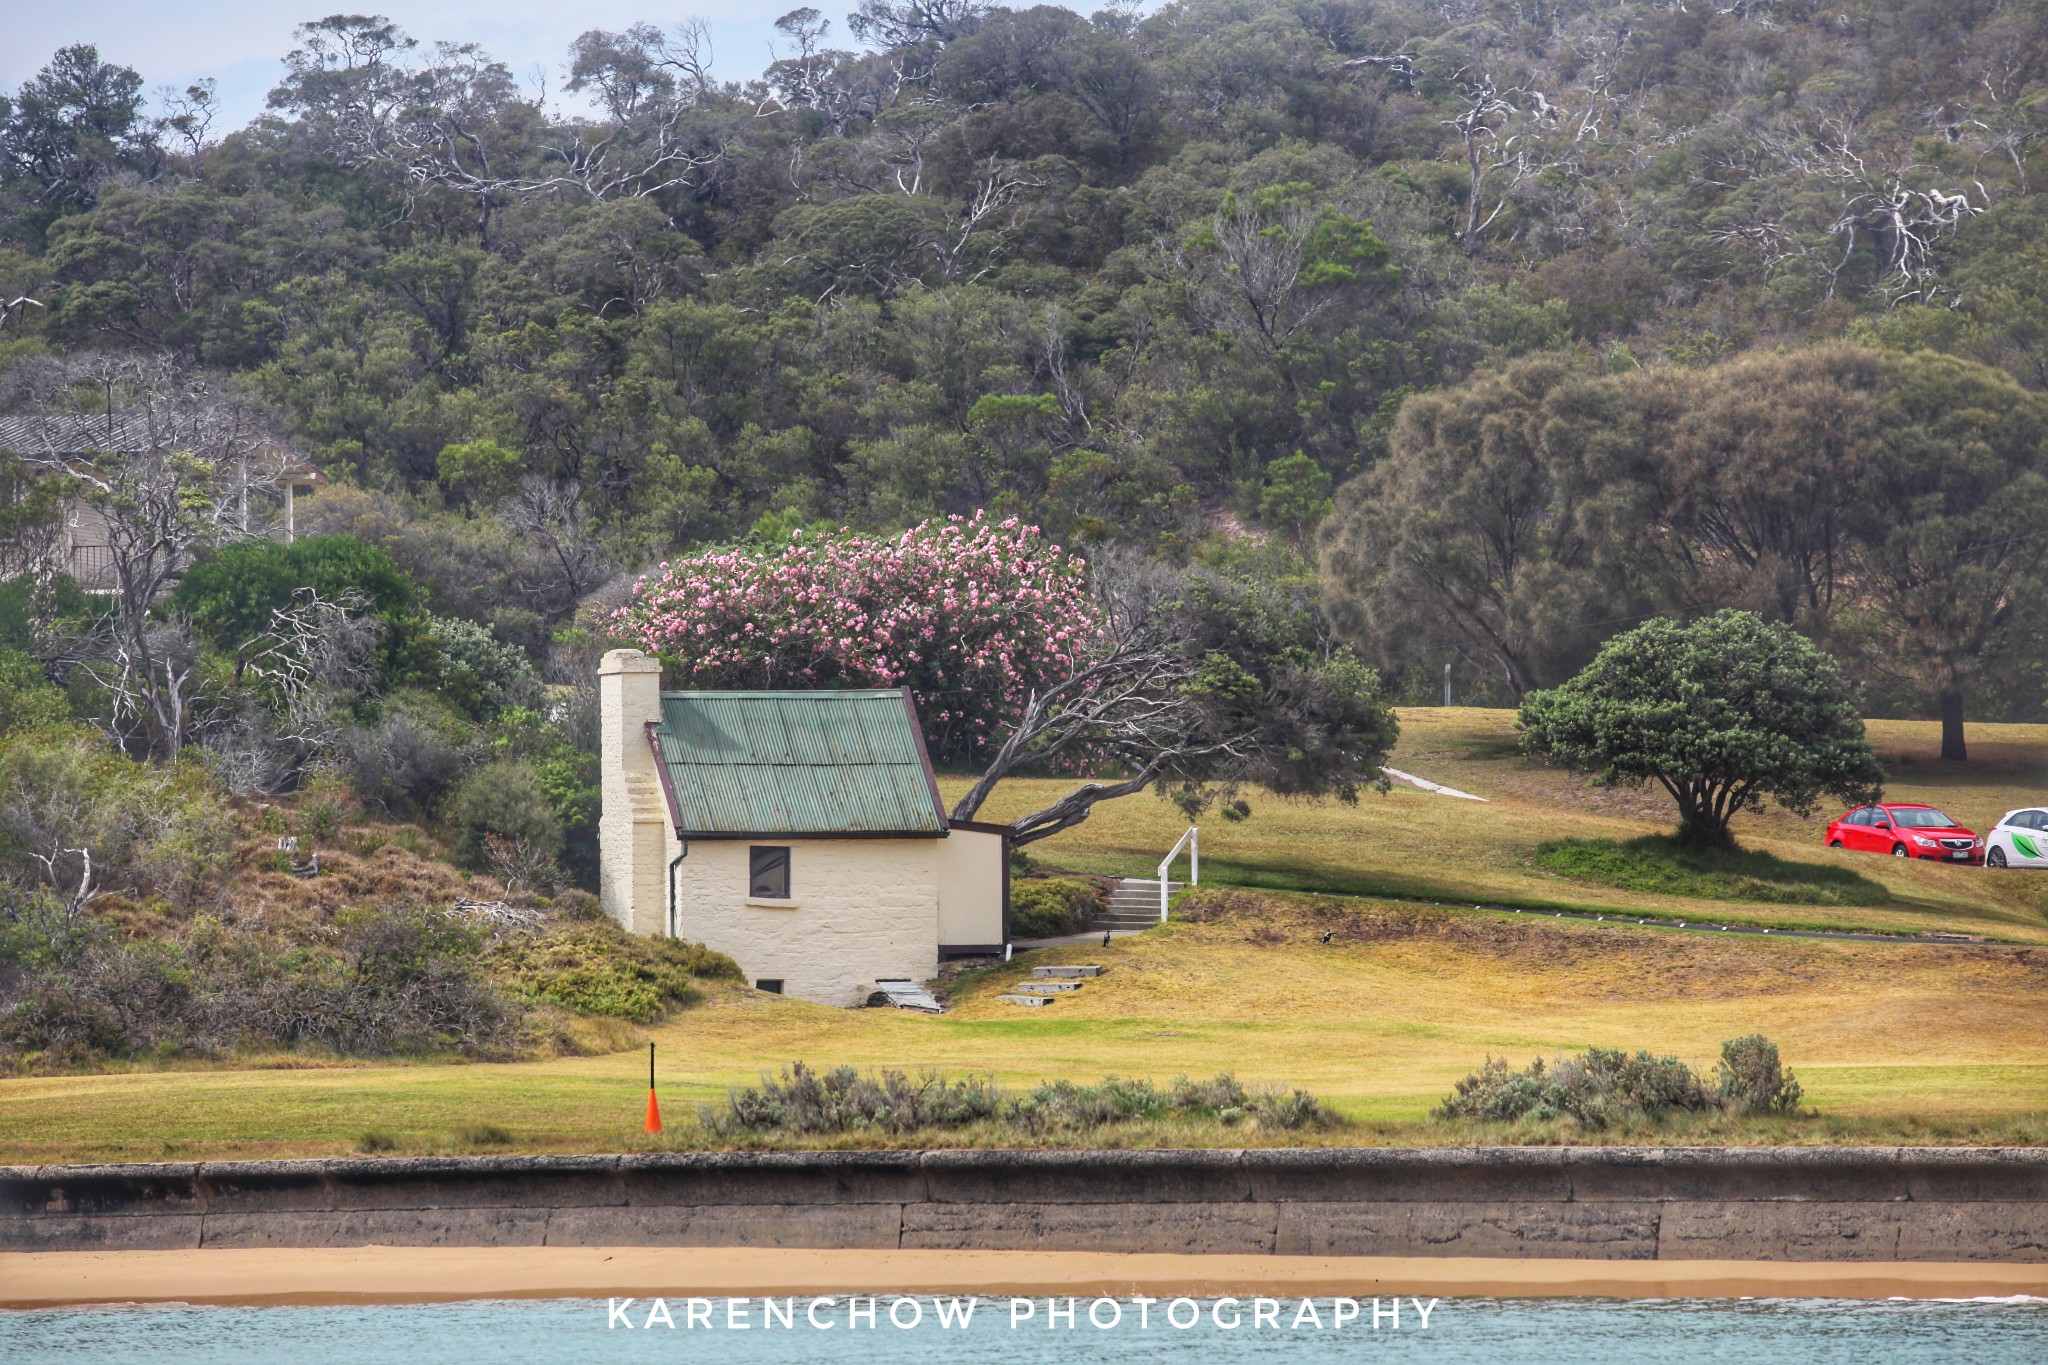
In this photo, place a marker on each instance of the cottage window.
(768, 874)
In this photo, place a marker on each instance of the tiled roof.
(78, 436)
(797, 763)
(73, 433)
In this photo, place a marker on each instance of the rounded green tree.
(1722, 712)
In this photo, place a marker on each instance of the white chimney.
(631, 832)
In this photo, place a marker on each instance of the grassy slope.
(1893, 1041)
(1413, 843)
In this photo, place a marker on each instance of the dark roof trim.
(668, 783)
(931, 779)
(980, 827)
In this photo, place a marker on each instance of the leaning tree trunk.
(1952, 745)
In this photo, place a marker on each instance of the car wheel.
(1834, 843)
(1901, 851)
(1995, 858)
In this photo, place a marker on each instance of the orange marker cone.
(653, 1107)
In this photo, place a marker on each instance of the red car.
(1906, 832)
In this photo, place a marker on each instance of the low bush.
(409, 756)
(82, 819)
(1051, 907)
(1062, 1105)
(1659, 866)
(391, 982)
(479, 674)
(842, 1100)
(504, 799)
(1753, 1081)
(600, 969)
(1605, 1086)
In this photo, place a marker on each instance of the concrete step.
(1049, 987)
(908, 995)
(1074, 970)
(1026, 999)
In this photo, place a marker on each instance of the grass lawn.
(1415, 844)
(1893, 1042)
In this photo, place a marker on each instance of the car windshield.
(1921, 819)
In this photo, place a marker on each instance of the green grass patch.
(1658, 866)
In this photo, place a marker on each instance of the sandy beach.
(446, 1274)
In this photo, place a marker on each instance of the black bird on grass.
(1105, 938)
(1327, 934)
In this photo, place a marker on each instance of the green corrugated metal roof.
(796, 763)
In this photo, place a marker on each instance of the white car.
(2020, 840)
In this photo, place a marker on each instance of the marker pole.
(653, 1107)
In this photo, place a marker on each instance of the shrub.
(598, 968)
(325, 804)
(231, 594)
(842, 1100)
(1752, 1079)
(28, 699)
(1604, 1086)
(503, 799)
(66, 793)
(373, 983)
(479, 675)
(408, 758)
(1049, 908)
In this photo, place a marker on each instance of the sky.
(240, 43)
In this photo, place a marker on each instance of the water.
(1494, 1331)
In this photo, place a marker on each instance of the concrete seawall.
(1622, 1203)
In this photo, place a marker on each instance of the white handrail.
(1192, 842)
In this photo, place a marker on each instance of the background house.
(69, 443)
(800, 833)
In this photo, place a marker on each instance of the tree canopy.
(1722, 712)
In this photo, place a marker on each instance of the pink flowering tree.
(1127, 673)
(974, 616)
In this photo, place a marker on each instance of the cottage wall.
(973, 875)
(860, 910)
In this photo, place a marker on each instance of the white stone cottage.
(799, 833)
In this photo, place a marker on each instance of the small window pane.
(768, 877)
(1861, 817)
(2032, 819)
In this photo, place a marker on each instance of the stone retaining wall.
(1843, 1204)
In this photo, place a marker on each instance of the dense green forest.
(1160, 278)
